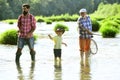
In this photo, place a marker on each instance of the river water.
(102, 66)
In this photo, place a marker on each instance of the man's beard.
(24, 12)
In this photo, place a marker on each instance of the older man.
(85, 31)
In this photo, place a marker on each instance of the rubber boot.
(82, 55)
(18, 54)
(32, 53)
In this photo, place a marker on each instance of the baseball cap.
(82, 10)
(59, 29)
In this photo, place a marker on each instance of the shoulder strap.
(20, 19)
(31, 17)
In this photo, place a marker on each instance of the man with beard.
(26, 25)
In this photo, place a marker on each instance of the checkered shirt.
(25, 24)
(86, 23)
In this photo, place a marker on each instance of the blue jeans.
(22, 41)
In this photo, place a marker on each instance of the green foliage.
(48, 21)
(10, 37)
(35, 36)
(5, 10)
(62, 17)
(117, 21)
(112, 23)
(107, 10)
(95, 25)
(109, 28)
(40, 20)
(96, 17)
(74, 17)
(108, 17)
(111, 1)
(61, 26)
(109, 32)
(12, 8)
(10, 22)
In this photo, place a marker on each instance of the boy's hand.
(65, 44)
(50, 36)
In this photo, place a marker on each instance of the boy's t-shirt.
(58, 41)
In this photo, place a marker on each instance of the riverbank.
(102, 66)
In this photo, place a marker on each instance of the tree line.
(10, 9)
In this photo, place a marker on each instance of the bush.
(48, 21)
(10, 37)
(95, 25)
(10, 22)
(35, 36)
(109, 28)
(109, 32)
(100, 18)
(74, 17)
(40, 20)
(66, 17)
(62, 17)
(111, 23)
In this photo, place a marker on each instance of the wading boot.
(32, 53)
(18, 54)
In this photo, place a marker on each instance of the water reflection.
(20, 71)
(57, 70)
(85, 70)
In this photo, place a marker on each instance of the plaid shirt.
(86, 23)
(26, 24)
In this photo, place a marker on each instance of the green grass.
(10, 21)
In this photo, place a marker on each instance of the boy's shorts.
(57, 53)
(22, 41)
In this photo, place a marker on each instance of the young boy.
(58, 41)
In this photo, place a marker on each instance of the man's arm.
(31, 31)
(33, 25)
(83, 28)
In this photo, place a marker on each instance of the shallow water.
(102, 66)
